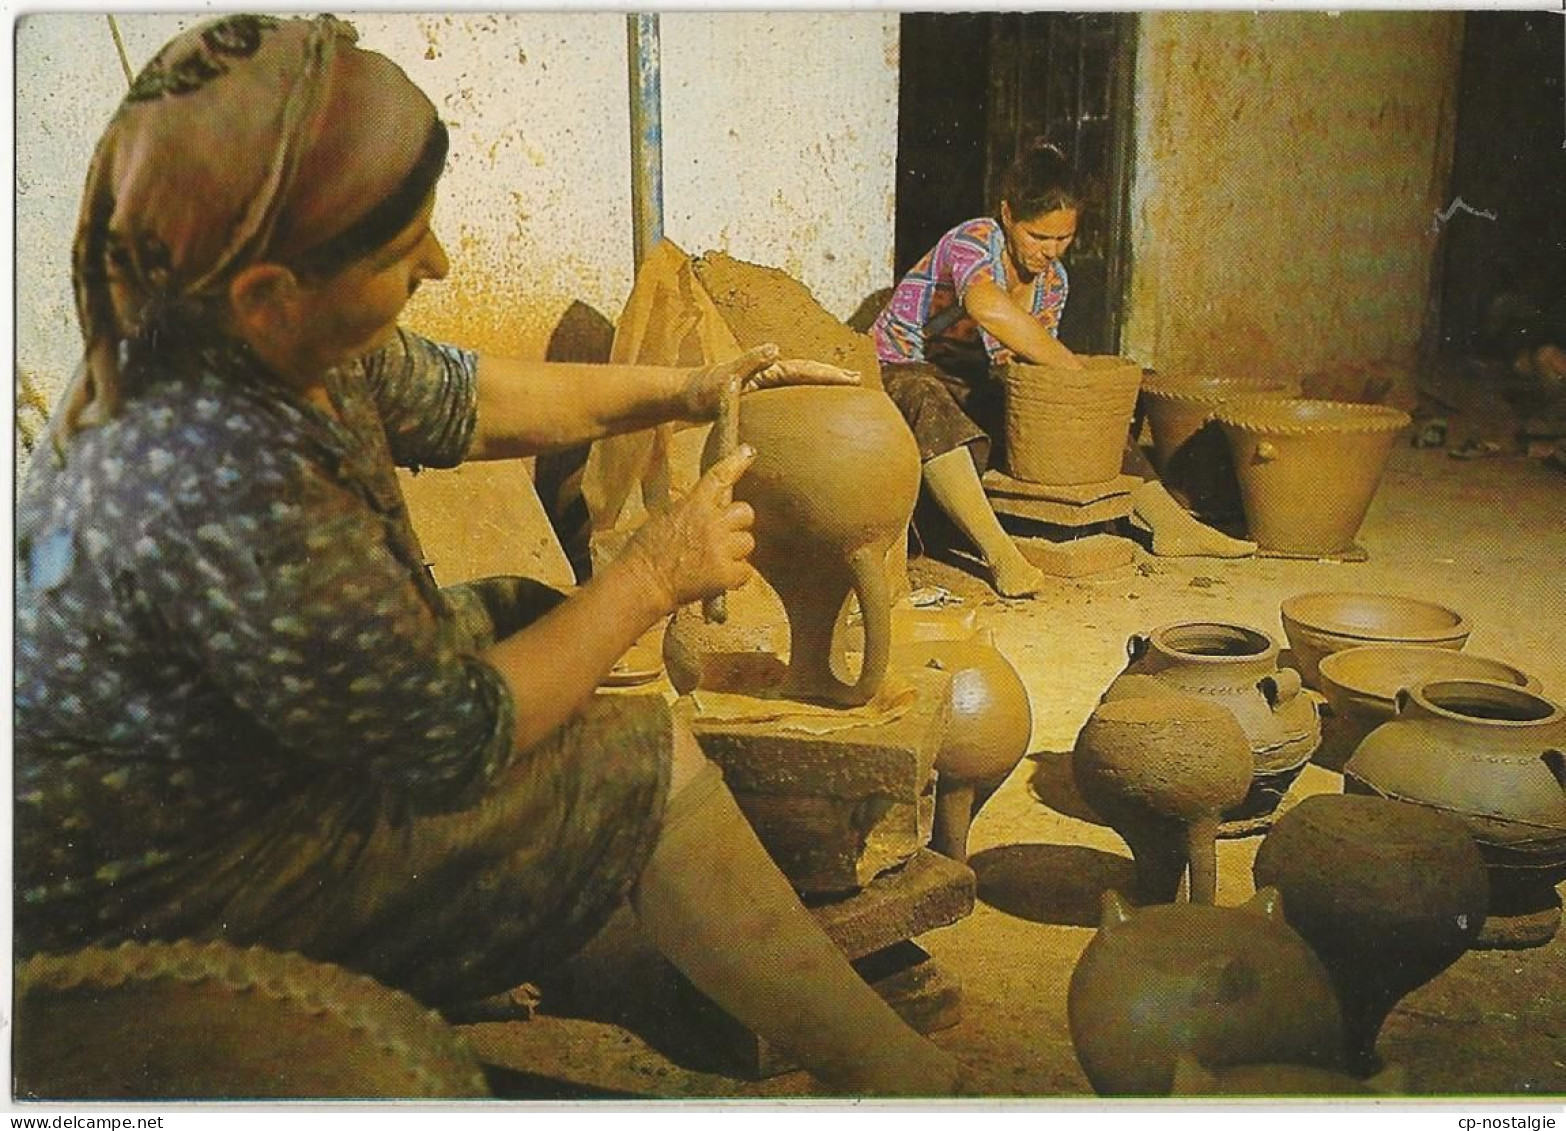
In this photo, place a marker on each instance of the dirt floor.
(1486, 536)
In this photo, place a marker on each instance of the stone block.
(1079, 557)
(929, 891)
(837, 809)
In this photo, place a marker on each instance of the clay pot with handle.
(1494, 755)
(1237, 668)
(834, 481)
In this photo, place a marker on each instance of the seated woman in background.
(991, 291)
(243, 709)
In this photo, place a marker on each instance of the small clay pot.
(1361, 686)
(1388, 895)
(1320, 623)
(1493, 755)
(1307, 469)
(833, 483)
(1068, 427)
(1159, 770)
(1226, 985)
(991, 726)
(1237, 668)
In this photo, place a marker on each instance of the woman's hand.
(757, 368)
(700, 546)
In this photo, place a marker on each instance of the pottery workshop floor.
(1485, 536)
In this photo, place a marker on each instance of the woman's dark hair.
(1040, 180)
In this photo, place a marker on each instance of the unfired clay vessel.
(1307, 469)
(1237, 668)
(834, 481)
(1067, 426)
(1495, 756)
(1159, 770)
(1361, 685)
(1320, 623)
(1178, 405)
(189, 1020)
(991, 725)
(1388, 895)
(1227, 985)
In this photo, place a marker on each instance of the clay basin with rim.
(1320, 623)
(1307, 469)
(1361, 686)
(1178, 405)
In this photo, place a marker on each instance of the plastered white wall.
(780, 146)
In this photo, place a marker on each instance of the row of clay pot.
(1306, 469)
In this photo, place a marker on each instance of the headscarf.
(247, 139)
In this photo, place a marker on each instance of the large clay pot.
(1226, 985)
(1387, 894)
(1307, 469)
(1159, 770)
(1494, 755)
(1178, 405)
(1361, 686)
(991, 726)
(1321, 623)
(1237, 668)
(834, 482)
(1068, 426)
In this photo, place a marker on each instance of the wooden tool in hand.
(715, 610)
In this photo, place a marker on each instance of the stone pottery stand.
(1160, 769)
(1387, 894)
(1493, 755)
(1226, 985)
(847, 816)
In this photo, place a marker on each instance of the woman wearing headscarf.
(243, 708)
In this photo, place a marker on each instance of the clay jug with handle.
(834, 482)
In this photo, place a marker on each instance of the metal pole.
(646, 132)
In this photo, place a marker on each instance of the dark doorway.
(977, 85)
(1506, 240)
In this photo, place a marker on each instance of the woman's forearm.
(554, 665)
(527, 407)
(1014, 327)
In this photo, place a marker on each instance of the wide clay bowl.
(1361, 686)
(1308, 469)
(1320, 623)
(1177, 405)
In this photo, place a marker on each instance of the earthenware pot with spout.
(1493, 754)
(1236, 667)
(834, 481)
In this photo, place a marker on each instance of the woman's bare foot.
(1014, 575)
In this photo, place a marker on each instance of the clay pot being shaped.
(1387, 894)
(1159, 770)
(1194, 1079)
(1307, 469)
(1237, 668)
(991, 726)
(1178, 405)
(833, 483)
(1493, 755)
(1361, 686)
(1319, 624)
(1069, 426)
(1226, 985)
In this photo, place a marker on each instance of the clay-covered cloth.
(245, 710)
(944, 410)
